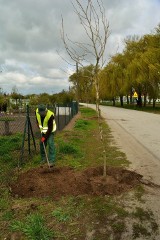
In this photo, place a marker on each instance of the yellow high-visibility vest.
(44, 128)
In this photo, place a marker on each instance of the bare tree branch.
(70, 50)
(93, 20)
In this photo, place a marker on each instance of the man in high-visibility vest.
(47, 125)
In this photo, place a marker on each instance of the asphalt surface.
(138, 135)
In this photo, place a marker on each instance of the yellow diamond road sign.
(135, 95)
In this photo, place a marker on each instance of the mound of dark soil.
(62, 181)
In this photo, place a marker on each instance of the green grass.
(33, 228)
(76, 148)
(139, 192)
(107, 207)
(139, 230)
(9, 144)
(68, 148)
(9, 156)
(61, 215)
(8, 215)
(4, 200)
(118, 227)
(71, 217)
(147, 108)
(88, 112)
(141, 214)
(82, 124)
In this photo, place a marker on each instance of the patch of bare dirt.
(63, 181)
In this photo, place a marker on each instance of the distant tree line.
(136, 69)
(63, 97)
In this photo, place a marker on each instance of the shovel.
(46, 155)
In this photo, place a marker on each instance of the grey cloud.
(30, 38)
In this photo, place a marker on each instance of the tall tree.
(108, 85)
(119, 76)
(144, 67)
(93, 20)
(137, 68)
(16, 95)
(85, 79)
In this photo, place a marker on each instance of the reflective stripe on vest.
(44, 128)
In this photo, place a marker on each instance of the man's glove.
(43, 139)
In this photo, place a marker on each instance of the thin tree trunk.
(139, 100)
(154, 103)
(77, 90)
(145, 100)
(94, 22)
(131, 99)
(114, 102)
(121, 101)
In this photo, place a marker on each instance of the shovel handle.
(46, 155)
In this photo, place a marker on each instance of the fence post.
(58, 118)
(72, 114)
(28, 126)
(76, 107)
(65, 115)
(28, 129)
(69, 105)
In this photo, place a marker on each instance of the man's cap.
(41, 108)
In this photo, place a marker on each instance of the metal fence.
(24, 124)
(14, 122)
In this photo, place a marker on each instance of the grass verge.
(80, 217)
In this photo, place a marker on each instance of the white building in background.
(19, 101)
(63, 110)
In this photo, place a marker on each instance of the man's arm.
(50, 127)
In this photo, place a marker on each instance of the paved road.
(138, 135)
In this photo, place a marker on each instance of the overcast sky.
(31, 49)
